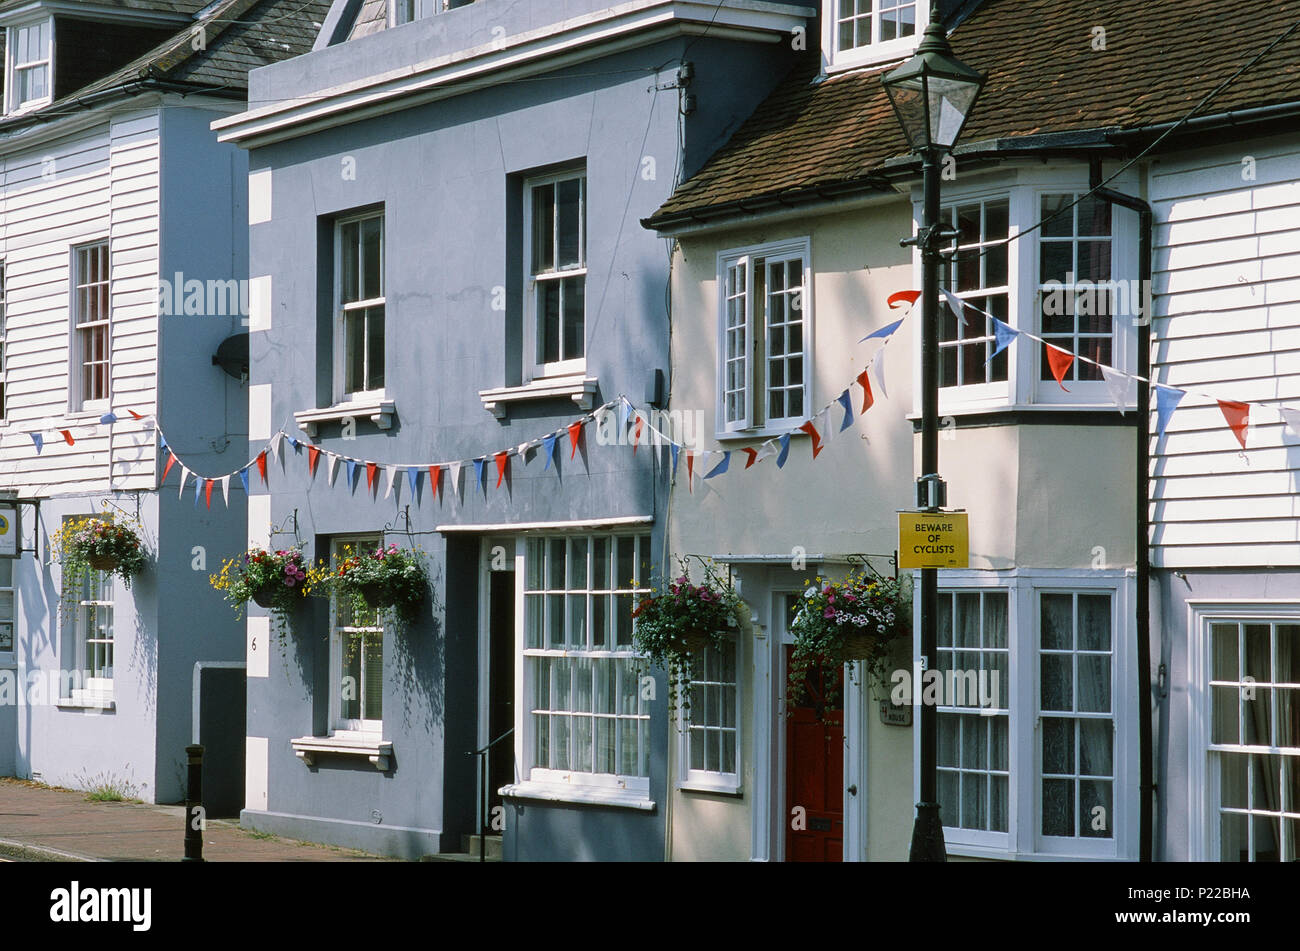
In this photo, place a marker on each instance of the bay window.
(585, 717)
(1035, 714)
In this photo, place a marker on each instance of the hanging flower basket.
(676, 622)
(267, 595)
(386, 578)
(103, 562)
(273, 580)
(103, 543)
(857, 619)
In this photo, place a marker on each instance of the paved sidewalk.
(41, 823)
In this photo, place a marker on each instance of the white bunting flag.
(825, 428)
(331, 467)
(225, 489)
(274, 446)
(453, 468)
(392, 474)
(955, 303)
(184, 475)
(1292, 419)
(767, 450)
(1117, 384)
(878, 368)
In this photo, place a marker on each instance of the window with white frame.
(4, 373)
(92, 325)
(859, 32)
(356, 653)
(404, 11)
(6, 605)
(1033, 716)
(711, 734)
(584, 717)
(764, 338)
(28, 60)
(1254, 739)
(976, 272)
(88, 672)
(555, 209)
(359, 291)
(1032, 258)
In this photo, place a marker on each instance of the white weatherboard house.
(111, 184)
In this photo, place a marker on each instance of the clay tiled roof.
(1045, 76)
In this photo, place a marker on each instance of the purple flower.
(829, 613)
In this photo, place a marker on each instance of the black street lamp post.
(932, 95)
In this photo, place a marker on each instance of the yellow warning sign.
(933, 540)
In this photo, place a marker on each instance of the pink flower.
(829, 613)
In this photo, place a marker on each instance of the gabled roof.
(237, 36)
(1047, 75)
(182, 7)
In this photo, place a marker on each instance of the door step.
(492, 849)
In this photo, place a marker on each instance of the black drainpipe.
(1146, 782)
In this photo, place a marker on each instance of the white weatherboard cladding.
(1227, 272)
(98, 183)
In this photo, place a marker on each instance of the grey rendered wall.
(204, 414)
(449, 177)
(1170, 596)
(219, 703)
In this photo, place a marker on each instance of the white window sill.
(378, 410)
(86, 703)
(722, 786)
(977, 408)
(769, 432)
(988, 852)
(576, 386)
(581, 795)
(378, 752)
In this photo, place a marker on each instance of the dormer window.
(866, 32)
(28, 55)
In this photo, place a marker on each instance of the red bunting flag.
(435, 476)
(753, 457)
(868, 400)
(1060, 362)
(1238, 417)
(67, 437)
(261, 465)
(372, 469)
(313, 459)
(575, 433)
(690, 471)
(901, 297)
(171, 461)
(503, 462)
(636, 434)
(811, 430)
(134, 414)
(207, 491)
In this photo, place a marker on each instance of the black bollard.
(195, 819)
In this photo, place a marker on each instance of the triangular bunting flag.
(673, 450)
(185, 474)
(1292, 419)
(864, 381)
(162, 441)
(575, 433)
(1060, 362)
(502, 459)
(845, 399)
(134, 414)
(171, 461)
(878, 365)
(243, 477)
(548, 449)
(1117, 384)
(453, 470)
(636, 433)
(811, 430)
(824, 427)
(372, 470)
(274, 446)
(352, 473)
(1238, 417)
(1004, 334)
(413, 479)
(956, 303)
(751, 457)
(766, 450)
(207, 491)
(331, 469)
(67, 437)
(198, 488)
(1167, 400)
(886, 332)
(313, 459)
(722, 466)
(899, 298)
(108, 418)
(39, 441)
(391, 473)
(225, 489)
(480, 472)
(690, 470)
(435, 479)
(784, 454)
(261, 465)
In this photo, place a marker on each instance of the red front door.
(814, 777)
